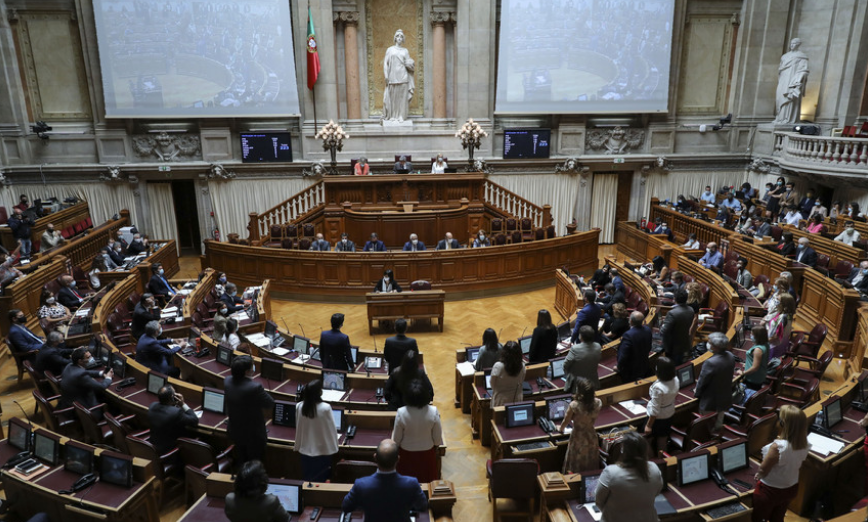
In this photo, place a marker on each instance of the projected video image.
(584, 55)
(196, 58)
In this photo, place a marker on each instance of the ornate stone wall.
(383, 18)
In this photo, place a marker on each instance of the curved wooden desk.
(465, 273)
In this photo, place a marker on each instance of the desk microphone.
(522, 332)
(25, 414)
(288, 330)
(375, 343)
(302, 330)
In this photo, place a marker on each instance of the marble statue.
(792, 77)
(398, 68)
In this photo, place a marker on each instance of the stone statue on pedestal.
(792, 77)
(398, 68)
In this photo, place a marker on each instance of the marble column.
(438, 21)
(350, 20)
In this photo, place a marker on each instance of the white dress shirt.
(417, 429)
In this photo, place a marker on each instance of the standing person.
(245, 399)
(544, 343)
(589, 315)
(507, 376)
(779, 323)
(626, 490)
(714, 386)
(169, 418)
(774, 202)
(221, 319)
(634, 350)
(418, 433)
(676, 329)
(778, 475)
(615, 325)
(316, 436)
(399, 344)
(334, 347)
(400, 379)
(145, 311)
(756, 361)
(583, 451)
(582, 360)
(661, 407)
(694, 296)
(250, 502)
(489, 352)
(20, 225)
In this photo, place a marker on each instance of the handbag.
(607, 440)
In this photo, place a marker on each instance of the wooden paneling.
(24, 293)
(643, 247)
(62, 219)
(683, 225)
(421, 304)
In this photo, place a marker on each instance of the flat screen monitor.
(693, 469)
(288, 492)
(284, 414)
(155, 382)
(272, 370)
(471, 354)
(524, 342)
(119, 365)
(488, 379)
(212, 400)
(46, 448)
(99, 351)
(685, 375)
(116, 468)
(224, 354)
(315, 354)
(519, 414)
(270, 328)
(19, 434)
(589, 486)
(300, 344)
(354, 353)
(526, 143)
(77, 458)
(266, 147)
(732, 456)
(556, 407)
(832, 413)
(334, 380)
(339, 416)
(557, 367)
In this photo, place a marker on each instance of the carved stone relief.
(615, 141)
(168, 147)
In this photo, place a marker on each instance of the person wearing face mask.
(231, 300)
(159, 285)
(861, 285)
(123, 242)
(850, 235)
(146, 310)
(69, 295)
(682, 204)
(857, 274)
(138, 246)
(245, 399)
(8, 273)
(807, 203)
(818, 210)
(221, 319)
(231, 336)
(855, 212)
(154, 353)
(793, 216)
(766, 194)
(481, 240)
(20, 225)
(22, 339)
(387, 284)
(374, 244)
(414, 244)
(107, 260)
(361, 167)
(805, 254)
(439, 166)
(51, 357)
(22, 203)
(774, 202)
(731, 203)
(78, 384)
(50, 238)
(448, 243)
(345, 245)
(789, 196)
(708, 196)
(52, 315)
(116, 253)
(713, 258)
(320, 244)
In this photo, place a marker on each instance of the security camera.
(40, 128)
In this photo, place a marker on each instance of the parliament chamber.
(433, 260)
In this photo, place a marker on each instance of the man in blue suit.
(634, 349)
(386, 496)
(374, 245)
(230, 297)
(334, 347)
(22, 339)
(617, 281)
(155, 353)
(414, 245)
(158, 285)
(589, 315)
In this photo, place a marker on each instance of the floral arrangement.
(332, 135)
(471, 134)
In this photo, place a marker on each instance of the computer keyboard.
(724, 510)
(530, 446)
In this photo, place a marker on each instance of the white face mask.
(414, 241)
(344, 241)
(481, 237)
(386, 279)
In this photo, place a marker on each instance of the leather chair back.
(347, 471)
(420, 285)
(514, 478)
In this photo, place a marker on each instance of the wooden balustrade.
(60, 219)
(824, 151)
(81, 251)
(292, 209)
(206, 284)
(683, 226)
(836, 250)
(643, 246)
(512, 204)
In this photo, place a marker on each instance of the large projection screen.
(584, 56)
(195, 59)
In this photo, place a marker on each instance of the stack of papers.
(82, 312)
(240, 316)
(633, 407)
(465, 368)
(824, 445)
(185, 291)
(332, 395)
(259, 340)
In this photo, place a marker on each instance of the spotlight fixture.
(41, 129)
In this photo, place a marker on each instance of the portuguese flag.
(312, 55)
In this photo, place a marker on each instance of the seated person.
(231, 336)
(116, 253)
(787, 246)
(137, 246)
(78, 384)
(682, 204)
(320, 244)
(387, 284)
(615, 324)
(230, 297)
(748, 191)
(820, 209)
(155, 354)
(601, 277)
(448, 243)
(815, 225)
(374, 244)
(414, 244)
(345, 245)
(676, 282)
(692, 243)
(68, 295)
(146, 310)
(850, 235)
(50, 238)
(661, 270)
(713, 258)
(617, 281)
(764, 229)
(664, 230)
(122, 241)
(805, 254)
(51, 357)
(793, 216)
(159, 285)
(610, 297)
(708, 197)
(22, 339)
(168, 419)
(107, 260)
(402, 165)
(249, 501)
(8, 273)
(480, 240)
(439, 166)
(857, 274)
(361, 167)
(723, 215)
(731, 203)
(52, 315)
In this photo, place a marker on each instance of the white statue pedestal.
(397, 124)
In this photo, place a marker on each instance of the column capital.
(347, 17)
(442, 17)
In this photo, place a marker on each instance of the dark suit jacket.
(334, 349)
(765, 229)
(159, 287)
(349, 247)
(589, 315)
(543, 344)
(714, 387)
(369, 495)
(395, 349)
(787, 249)
(442, 244)
(23, 341)
(117, 257)
(154, 353)
(167, 424)
(395, 286)
(135, 249)
(609, 300)
(234, 303)
(809, 257)
(244, 400)
(676, 330)
(141, 317)
(633, 353)
(68, 299)
(52, 359)
(266, 508)
(320, 245)
(79, 385)
(408, 246)
(619, 283)
(377, 246)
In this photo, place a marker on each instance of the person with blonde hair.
(694, 296)
(779, 323)
(583, 449)
(778, 475)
